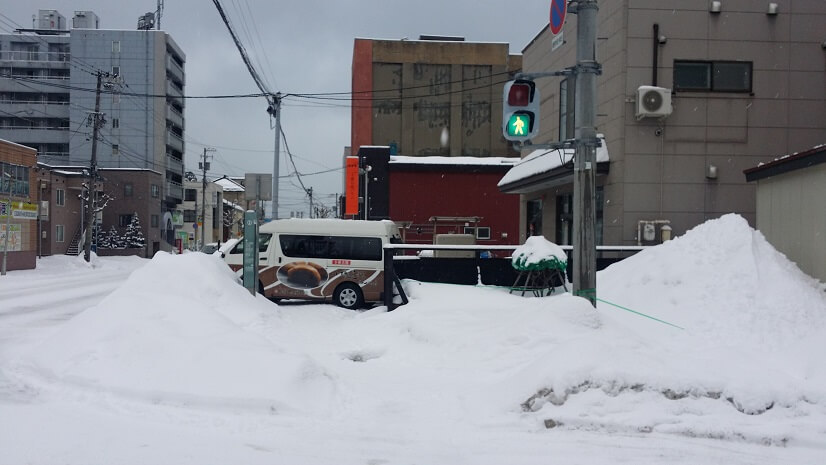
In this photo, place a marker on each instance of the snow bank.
(177, 332)
(754, 331)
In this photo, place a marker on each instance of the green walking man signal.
(517, 125)
(520, 110)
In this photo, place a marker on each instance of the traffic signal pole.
(587, 68)
(519, 113)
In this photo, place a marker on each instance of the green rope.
(592, 293)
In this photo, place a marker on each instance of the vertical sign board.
(351, 179)
(558, 10)
(250, 269)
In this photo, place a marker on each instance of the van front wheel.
(348, 295)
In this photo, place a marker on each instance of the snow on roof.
(229, 185)
(544, 160)
(17, 145)
(435, 160)
(234, 205)
(67, 173)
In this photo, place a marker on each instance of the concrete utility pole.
(584, 240)
(275, 110)
(310, 194)
(97, 122)
(204, 165)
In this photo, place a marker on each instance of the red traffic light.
(519, 94)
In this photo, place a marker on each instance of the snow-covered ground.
(707, 349)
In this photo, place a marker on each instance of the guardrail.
(464, 270)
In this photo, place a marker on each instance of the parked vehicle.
(321, 259)
(210, 248)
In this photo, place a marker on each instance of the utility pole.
(97, 121)
(587, 68)
(310, 193)
(8, 222)
(275, 110)
(204, 165)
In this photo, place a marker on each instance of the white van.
(321, 259)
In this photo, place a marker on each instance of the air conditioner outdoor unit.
(653, 102)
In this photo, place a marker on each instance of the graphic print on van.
(302, 275)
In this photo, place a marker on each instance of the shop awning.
(543, 169)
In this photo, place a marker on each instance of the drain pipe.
(655, 64)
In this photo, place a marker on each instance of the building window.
(189, 216)
(127, 190)
(154, 221)
(115, 46)
(481, 232)
(564, 219)
(713, 76)
(190, 195)
(116, 70)
(115, 123)
(534, 217)
(60, 197)
(58, 233)
(156, 190)
(115, 149)
(124, 220)
(18, 182)
(567, 95)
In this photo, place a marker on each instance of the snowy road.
(34, 302)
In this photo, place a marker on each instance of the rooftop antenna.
(158, 13)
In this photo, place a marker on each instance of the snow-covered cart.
(540, 264)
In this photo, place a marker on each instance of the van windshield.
(263, 243)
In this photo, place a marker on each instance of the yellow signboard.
(19, 210)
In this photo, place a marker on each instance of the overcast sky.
(298, 47)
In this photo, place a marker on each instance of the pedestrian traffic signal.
(520, 110)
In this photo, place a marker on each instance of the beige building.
(210, 228)
(791, 207)
(691, 94)
(432, 96)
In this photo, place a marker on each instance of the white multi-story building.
(48, 77)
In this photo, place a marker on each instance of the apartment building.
(47, 94)
(691, 94)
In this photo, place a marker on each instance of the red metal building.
(445, 195)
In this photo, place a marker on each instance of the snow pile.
(754, 329)
(177, 331)
(538, 253)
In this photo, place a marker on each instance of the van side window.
(331, 247)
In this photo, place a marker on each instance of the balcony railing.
(174, 141)
(175, 69)
(173, 164)
(25, 55)
(175, 116)
(174, 190)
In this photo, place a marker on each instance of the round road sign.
(558, 10)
